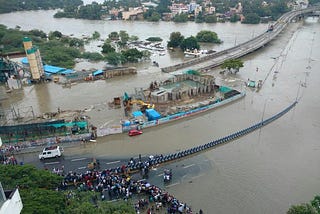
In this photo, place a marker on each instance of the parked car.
(134, 132)
(51, 152)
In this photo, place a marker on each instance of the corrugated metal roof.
(52, 69)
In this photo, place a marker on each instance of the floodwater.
(264, 172)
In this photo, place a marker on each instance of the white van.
(51, 152)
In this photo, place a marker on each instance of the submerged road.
(210, 61)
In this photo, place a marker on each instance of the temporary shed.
(152, 114)
(137, 114)
(97, 72)
(52, 69)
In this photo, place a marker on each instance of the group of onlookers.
(115, 186)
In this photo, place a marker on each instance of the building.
(10, 201)
(34, 59)
(133, 14)
(182, 86)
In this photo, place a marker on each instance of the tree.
(200, 18)
(182, 17)
(55, 35)
(207, 36)
(114, 35)
(175, 39)
(95, 35)
(114, 58)
(190, 43)
(132, 55)
(107, 48)
(210, 19)
(124, 38)
(302, 209)
(234, 18)
(316, 203)
(251, 18)
(232, 64)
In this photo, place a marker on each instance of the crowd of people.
(118, 186)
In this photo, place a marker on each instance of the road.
(210, 61)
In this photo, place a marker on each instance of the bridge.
(203, 64)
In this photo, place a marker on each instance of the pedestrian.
(200, 211)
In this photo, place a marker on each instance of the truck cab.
(51, 152)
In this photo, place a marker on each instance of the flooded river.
(264, 172)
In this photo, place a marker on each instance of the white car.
(51, 152)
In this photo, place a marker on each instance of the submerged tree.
(232, 65)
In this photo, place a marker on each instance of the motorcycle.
(167, 175)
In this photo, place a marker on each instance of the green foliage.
(132, 55)
(18, 5)
(163, 6)
(232, 64)
(207, 36)
(92, 56)
(190, 43)
(175, 39)
(124, 37)
(38, 33)
(152, 15)
(200, 18)
(114, 35)
(36, 200)
(251, 18)
(302, 209)
(107, 48)
(75, 42)
(55, 35)
(92, 11)
(182, 17)
(316, 203)
(234, 18)
(154, 39)
(53, 53)
(210, 19)
(95, 35)
(27, 176)
(133, 38)
(114, 58)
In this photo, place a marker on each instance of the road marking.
(160, 174)
(52, 163)
(174, 184)
(198, 176)
(113, 162)
(78, 159)
(83, 167)
(188, 166)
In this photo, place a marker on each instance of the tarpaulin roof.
(24, 60)
(97, 72)
(224, 89)
(152, 114)
(52, 69)
(68, 71)
(137, 113)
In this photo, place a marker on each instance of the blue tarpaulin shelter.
(52, 69)
(152, 114)
(97, 72)
(137, 113)
(67, 71)
(24, 60)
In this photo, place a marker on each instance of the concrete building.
(10, 201)
(182, 86)
(34, 59)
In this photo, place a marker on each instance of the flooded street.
(264, 172)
